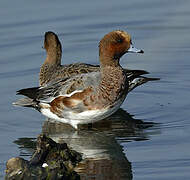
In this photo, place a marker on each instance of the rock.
(50, 161)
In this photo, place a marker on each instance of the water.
(153, 141)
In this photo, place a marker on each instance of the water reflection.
(100, 144)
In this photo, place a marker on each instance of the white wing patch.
(69, 95)
(50, 99)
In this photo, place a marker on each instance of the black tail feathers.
(32, 93)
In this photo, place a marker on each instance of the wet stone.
(50, 161)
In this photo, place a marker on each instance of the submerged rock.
(50, 161)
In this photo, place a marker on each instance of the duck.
(52, 69)
(87, 97)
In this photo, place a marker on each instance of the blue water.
(160, 28)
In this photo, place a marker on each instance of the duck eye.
(120, 40)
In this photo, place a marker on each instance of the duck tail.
(29, 92)
(27, 102)
(139, 81)
(132, 74)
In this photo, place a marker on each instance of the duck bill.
(134, 50)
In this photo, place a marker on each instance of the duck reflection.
(120, 125)
(103, 156)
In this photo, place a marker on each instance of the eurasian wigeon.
(52, 69)
(86, 98)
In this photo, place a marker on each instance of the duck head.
(113, 46)
(53, 48)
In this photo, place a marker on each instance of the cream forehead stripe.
(124, 35)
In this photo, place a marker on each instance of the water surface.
(161, 27)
